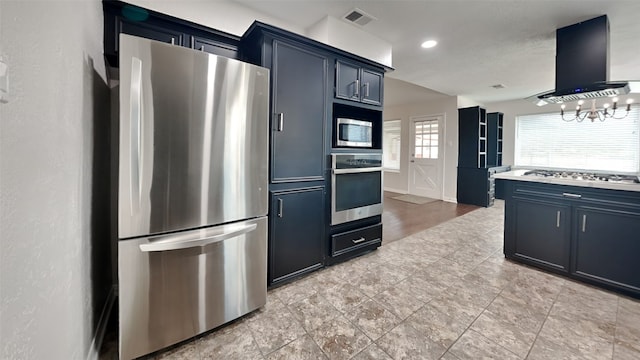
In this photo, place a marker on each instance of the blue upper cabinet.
(124, 18)
(356, 83)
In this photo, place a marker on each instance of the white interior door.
(425, 165)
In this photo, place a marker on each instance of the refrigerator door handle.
(177, 242)
(136, 131)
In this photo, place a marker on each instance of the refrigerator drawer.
(176, 286)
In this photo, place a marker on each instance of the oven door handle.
(355, 171)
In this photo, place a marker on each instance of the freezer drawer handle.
(577, 196)
(177, 244)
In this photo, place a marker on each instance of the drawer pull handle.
(358, 241)
(577, 196)
(558, 219)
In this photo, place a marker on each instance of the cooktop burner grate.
(586, 176)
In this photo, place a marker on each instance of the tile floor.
(444, 293)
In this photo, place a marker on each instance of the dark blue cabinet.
(354, 82)
(296, 241)
(607, 247)
(120, 17)
(589, 234)
(542, 232)
(299, 113)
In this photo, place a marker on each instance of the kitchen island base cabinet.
(542, 233)
(296, 241)
(585, 233)
(606, 253)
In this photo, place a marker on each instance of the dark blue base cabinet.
(296, 227)
(588, 234)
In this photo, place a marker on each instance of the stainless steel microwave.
(354, 133)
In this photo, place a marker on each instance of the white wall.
(54, 53)
(341, 35)
(448, 107)
(224, 15)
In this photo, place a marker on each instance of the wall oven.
(356, 187)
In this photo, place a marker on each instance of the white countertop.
(519, 175)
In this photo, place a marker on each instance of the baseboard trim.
(96, 343)
(450, 199)
(395, 190)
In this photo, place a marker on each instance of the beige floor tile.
(626, 351)
(399, 301)
(372, 352)
(229, 343)
(438, 326)
(313, 311)
(187, 351)
(304, 348)
(373, 319)
(405, 342)
(575, 338)
(344, 297)
(339, 339)
(472, 345)
(274, 330)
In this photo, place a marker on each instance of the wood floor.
(401, 219)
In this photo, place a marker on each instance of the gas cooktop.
(585, 176)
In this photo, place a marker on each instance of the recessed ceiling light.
(429, 44)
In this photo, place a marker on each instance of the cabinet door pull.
(280, 121)
(201, 47)
(358, 241)
(577, 196)
(173, 41)
(356, 92)
(558, 219)
(584, 222)
(280, 206)
(366, 89)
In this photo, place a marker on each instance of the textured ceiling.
(481, 42)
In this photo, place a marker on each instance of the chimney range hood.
(582, 64)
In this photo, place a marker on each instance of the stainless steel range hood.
(582, 64)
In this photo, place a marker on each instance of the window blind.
(546, 141)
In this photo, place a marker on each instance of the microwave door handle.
(169, 244)
(135, 135)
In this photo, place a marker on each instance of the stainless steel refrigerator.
(192, 202)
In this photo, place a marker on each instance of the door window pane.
(426, 139)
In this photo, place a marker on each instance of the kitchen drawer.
(355, 239)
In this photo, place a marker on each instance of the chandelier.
(593, 113)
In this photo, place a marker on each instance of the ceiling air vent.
(359, 17)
